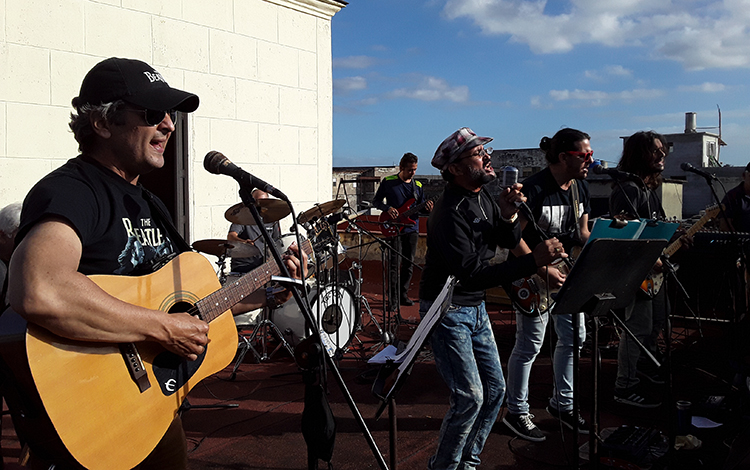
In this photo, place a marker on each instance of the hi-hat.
(321, 210)
(270, 209)
(228, 248)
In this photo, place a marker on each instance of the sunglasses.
(584, 155)
(154, 117)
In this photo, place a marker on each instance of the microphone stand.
(301, 298)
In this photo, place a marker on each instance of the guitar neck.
(213, 305)
(415, 209)
(677, 244)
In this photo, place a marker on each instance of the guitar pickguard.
(172, 372)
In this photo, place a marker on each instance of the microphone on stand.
(216, 163)
(685, 166)
(614, 173)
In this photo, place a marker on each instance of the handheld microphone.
(216, 163)
(685, 166)
(614, 173)
(510, 176)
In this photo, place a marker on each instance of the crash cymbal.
(270, 209)
(228, 248)
(321, 210)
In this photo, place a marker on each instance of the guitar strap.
(576, 208)
(166, 222)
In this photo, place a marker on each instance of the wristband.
(271, 301)
(511, 220)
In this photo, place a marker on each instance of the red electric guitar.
(388, 225)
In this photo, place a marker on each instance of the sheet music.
(433, 315)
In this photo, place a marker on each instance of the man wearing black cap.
(465, 227)
(91, 216)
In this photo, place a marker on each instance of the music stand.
(403, 360)
(606, 275)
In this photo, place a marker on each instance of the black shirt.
(112, 218)
(463, 231)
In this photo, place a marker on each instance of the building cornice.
(321, 8)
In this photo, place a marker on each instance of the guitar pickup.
(135, 366)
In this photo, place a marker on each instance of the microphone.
(216, 163)
(685, 166)
(614, 173)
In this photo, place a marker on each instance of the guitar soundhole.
(180, 307)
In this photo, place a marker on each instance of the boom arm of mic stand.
(304, 306)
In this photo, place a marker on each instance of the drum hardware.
(270, 209)
(320, 210)
(260, 333)
(226, 249)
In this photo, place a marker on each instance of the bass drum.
(335, 322)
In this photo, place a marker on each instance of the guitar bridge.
(135, 366)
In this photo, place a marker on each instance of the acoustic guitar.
(109, 404)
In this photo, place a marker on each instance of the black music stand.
(606, 275)
(403, 360)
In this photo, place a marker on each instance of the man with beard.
(464, 229)
(643, 155)
(559, 201)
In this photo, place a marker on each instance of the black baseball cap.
(135, 82)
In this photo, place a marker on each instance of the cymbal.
(321, 210)
(228, 248)
(270, 209)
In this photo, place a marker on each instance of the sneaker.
(566, 417)
(635, 397)
(524, 427)
(406, 301)
(653, 375)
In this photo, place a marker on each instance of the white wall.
(262, 70)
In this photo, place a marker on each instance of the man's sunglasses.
(584, 155)
(154, 117)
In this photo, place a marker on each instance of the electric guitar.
(531, 295)
(654, 281)
(108, 405)
(405, 212)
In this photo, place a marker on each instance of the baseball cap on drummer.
(135, 82)
(452, 147)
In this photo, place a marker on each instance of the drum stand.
(262, 328)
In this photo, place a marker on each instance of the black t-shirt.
(552, 208)
(118, 232)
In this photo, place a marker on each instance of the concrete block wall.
(262, 69)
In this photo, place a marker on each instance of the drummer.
(251, 234)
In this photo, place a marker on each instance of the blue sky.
(407, 73)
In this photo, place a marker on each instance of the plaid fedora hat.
(135, 82)
(452, 147)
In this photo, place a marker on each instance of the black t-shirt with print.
(118, 232)
(552, 208)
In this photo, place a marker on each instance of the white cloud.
(354, 62)
(707, 87)
(598, 98)
(348, 84)
(433, 89)
(609, 71)
(699, 34)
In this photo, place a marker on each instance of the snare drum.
(336, 322)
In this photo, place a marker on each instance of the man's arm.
(46, 288)
(379, 199)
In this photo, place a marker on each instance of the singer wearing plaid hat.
(463, 230)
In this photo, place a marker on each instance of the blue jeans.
(466, 357)
(530, 333)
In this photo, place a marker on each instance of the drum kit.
(334, 302)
